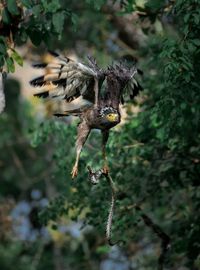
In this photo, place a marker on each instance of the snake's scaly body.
(111, 211)
(94, 178)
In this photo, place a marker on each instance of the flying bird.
(88, 92)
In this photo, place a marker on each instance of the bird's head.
(110, 115)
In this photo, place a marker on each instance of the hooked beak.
(113, 117)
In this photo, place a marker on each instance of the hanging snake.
(94, 178)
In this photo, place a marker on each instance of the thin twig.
(165, 239)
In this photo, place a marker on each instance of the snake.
(94, 178)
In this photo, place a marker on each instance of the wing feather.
(64, 78)
(121, 82)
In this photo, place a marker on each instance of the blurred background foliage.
(46, 220)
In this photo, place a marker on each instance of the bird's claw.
(74, 172)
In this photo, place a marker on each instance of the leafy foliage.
(23, 20)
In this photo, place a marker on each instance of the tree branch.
(126, 25)
(165, 239)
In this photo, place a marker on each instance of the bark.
(128, 31)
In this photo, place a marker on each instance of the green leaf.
(196, 42)
(27, 3)
(154, 6)
(51, 7)
(35, 36)
(1, 60)
(36, 10)
(2, 39)
(183, 106)
(103, 249)
(186, 17)
(10, 64)
(191, 47)
(196, 18)
(58, 21)
(21, 36)
(187, 77)
(74, 19)
(3, 48)
(6, 16)
(17, 58)
(47, 39)
(97, 4)
(12, 7)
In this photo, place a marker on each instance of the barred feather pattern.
(64, 78)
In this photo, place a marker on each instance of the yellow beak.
(112, 117)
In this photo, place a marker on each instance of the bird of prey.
(89, 92)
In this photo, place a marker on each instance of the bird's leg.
(96, 91)
(83, 133)
(105, 135)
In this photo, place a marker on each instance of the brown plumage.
(82, 92)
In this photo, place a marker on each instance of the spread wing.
(132, 86)
(66, 80)
(121, 83)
